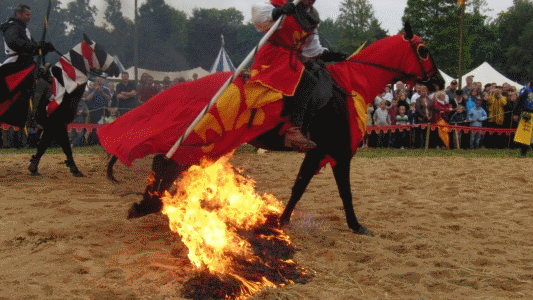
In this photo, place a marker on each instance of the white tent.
(485, 73)
(159, 75)
(447, 78)
(222, 62)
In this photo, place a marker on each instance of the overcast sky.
(388, 12)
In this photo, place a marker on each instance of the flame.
(215, 211)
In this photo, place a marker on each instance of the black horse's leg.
(44, 142)
(308, 169)
(341, 172)
(165, 171)
(64, 143)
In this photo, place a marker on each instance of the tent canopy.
(447, 78)
(222, 62)
(159, 76)
(485, 73)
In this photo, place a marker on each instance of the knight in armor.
(19, 46)
(280, 64)
(524, 109)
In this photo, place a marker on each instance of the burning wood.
(231, 233)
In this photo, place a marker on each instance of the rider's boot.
(73, 169)
(296, 140)
(34, 163)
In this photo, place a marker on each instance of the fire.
(230, 230)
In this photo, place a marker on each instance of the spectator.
(393, 112)
(147, 89)
(496, 103)
(510, 120)
(82, 112)
(194, 76)
(382, 118)
(112, 92)
(402, 99)
(112, 115)
(402, 136)
(387, 94)
(469, 85)
(369, 113)
(411, 114)
(399, 87)
(126, 92)
(472, 99)
(166, 83)
(441, 108)
(476, 116)
(458, 118)
(79, 139)
(424, 111)
(416, 94)
(450, 91)
(97, 100)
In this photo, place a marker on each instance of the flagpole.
(136, 45)
(461, 42)
(237, 72)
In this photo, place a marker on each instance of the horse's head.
(420, 66)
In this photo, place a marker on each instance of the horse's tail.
(110, 165)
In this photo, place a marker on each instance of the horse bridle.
(425, 79)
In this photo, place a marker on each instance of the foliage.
(356, 24)
(514, 33)
(172, 40)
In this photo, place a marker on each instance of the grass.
(362, 152)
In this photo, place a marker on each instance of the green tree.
(162, 35)
(514, 33)
(438, 23)
(357, 24)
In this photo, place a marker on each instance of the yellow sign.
(523, 132)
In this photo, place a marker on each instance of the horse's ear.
(87, 39)
(408, 31)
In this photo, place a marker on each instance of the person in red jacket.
(279, 64)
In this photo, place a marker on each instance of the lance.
(43, 36)
(40, 61)
(237, 72)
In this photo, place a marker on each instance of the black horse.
(336, 129)
(57, 95)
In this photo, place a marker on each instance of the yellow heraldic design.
(208, 122)
(524, 130)
(361, 108)
(257, 95)
(228, 106)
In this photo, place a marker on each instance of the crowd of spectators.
(477, 105)
(102, 103)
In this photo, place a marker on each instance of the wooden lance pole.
(237, 72)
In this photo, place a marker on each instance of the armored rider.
(280, 63)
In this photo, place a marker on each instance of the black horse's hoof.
(144, 208)
(363, 231)
(35, 173)
(78, 174)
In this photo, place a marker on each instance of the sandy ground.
(445, 228)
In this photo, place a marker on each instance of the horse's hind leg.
(341, 172)
(63, 141)
(308, 169)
